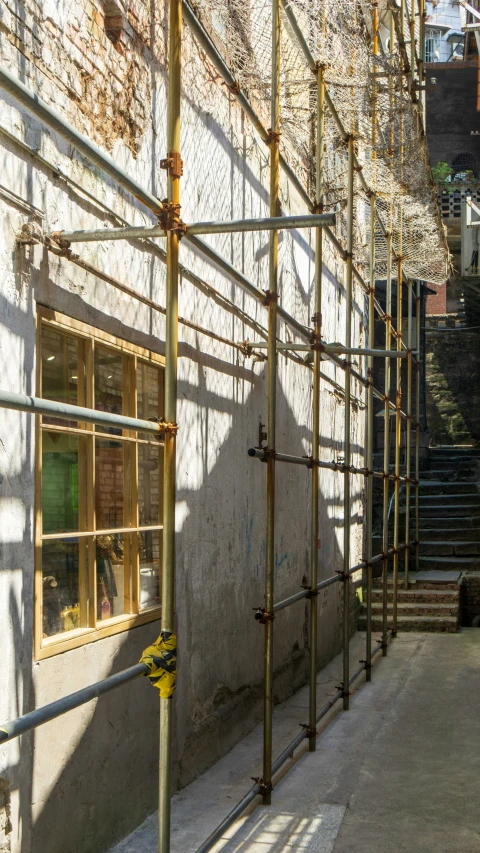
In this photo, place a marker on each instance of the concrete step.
(429, 580)
(448, 475)
(430, 521)
(463, 464)
(454, 499)
(415, 608)
(451, 534)
(457, 510)
(440, 624)
(454, 450)
(444, 548)
(439, 487)
(460, 564)
(422, 596)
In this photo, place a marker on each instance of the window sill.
(81, 636)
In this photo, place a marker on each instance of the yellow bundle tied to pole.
(161, 660)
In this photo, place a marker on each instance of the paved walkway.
(398, 773)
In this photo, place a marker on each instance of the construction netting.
(369, 91)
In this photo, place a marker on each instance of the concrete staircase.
(425, 606)
(449, 522)
(449, 517)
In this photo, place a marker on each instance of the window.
(432, 45)
(99, 489)
(464, 165)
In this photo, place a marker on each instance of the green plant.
(441, 171)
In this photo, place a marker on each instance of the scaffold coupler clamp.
(312, 593)
(57, 242)
(309, 732)
(341, 687)
(30, 233)
(173, 164)
(265, 787)
(269, 297)
(170, 427)
(367, 664)
(263, 616)
(169, 219)
(246, 348)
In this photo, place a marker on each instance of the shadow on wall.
(453, 387)
(108, 783)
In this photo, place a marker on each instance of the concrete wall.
(80, 783)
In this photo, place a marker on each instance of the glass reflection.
(150, 555)
(60, 586)
(112, 552)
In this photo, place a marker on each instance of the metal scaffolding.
(411, 76)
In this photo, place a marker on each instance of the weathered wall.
(453, 386)
(81, 783)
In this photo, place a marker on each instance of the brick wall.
(98, 57)
(437, 303)
(470, 599)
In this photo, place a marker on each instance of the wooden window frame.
(58, 643)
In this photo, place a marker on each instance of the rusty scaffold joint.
(269, 297)
(341, 687)
(309, 732)
(173, 164)
(273, 136)
(265, 787)
(263, 616)
(171, 428)
(169, 219)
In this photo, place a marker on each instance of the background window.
(100, 513)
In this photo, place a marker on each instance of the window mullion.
(90, 484)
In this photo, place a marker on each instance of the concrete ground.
(398, 773)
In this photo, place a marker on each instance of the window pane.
(109, 384)
(150, 554)
(109, 483)
(149, 484)
(113, 553)
(60, 370)
(61, 585)
(60, 482)
(149, 393)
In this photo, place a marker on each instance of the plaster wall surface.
(71, 783)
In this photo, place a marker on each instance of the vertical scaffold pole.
(371, 344)
(398, 438)
(421, 62)
(409, 434)
(171, 352)
(317, 337)
(347, 442)
(386, 445)
(271, 300)
(398, 396)
(417, 427)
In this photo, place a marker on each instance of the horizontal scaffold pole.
(277, 223)
(80, 142)
(334, 349)
(284, 756)
(52, 408)
(24, 724)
